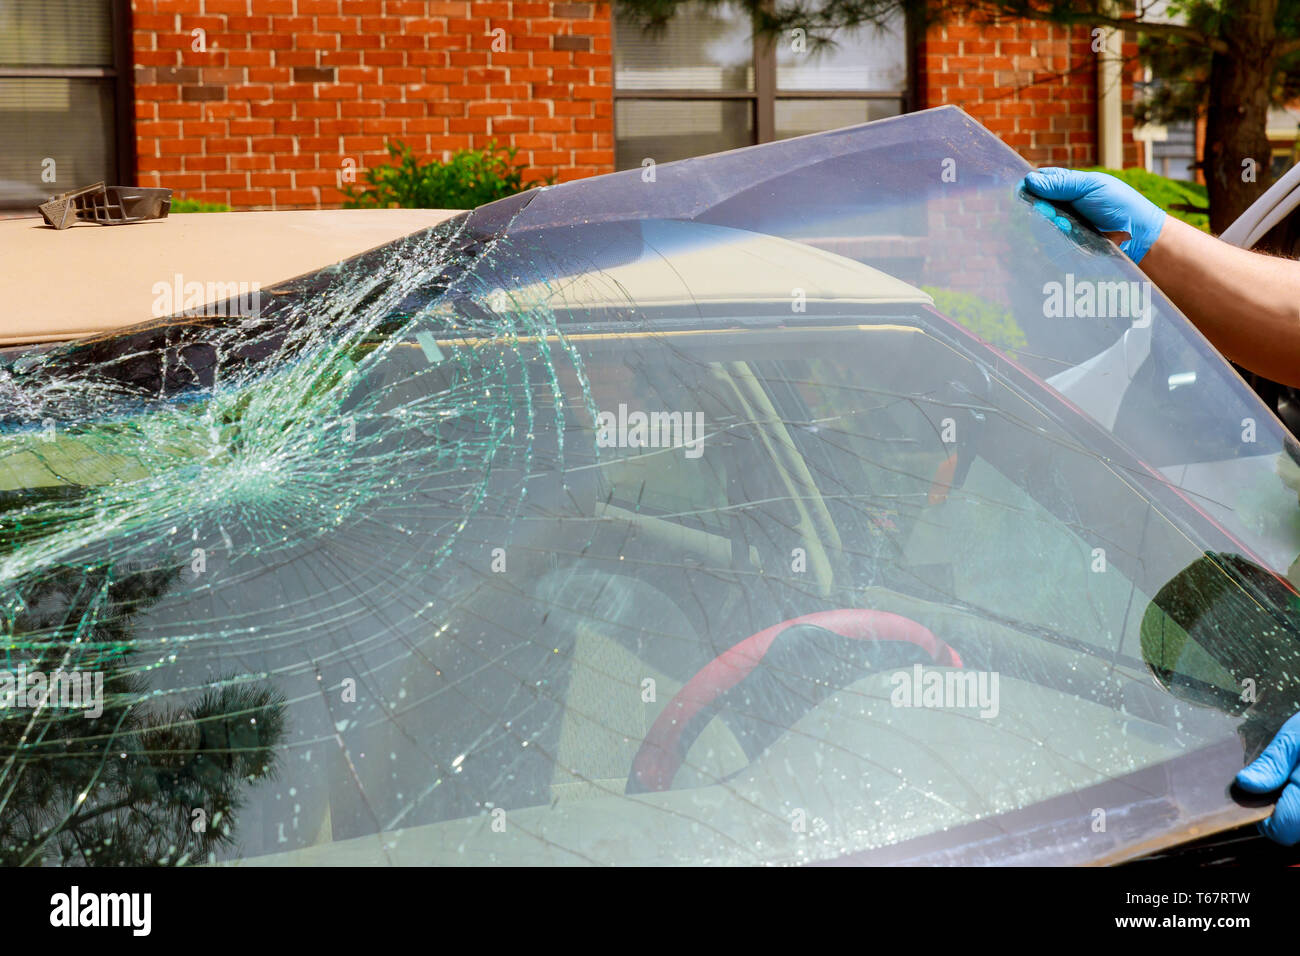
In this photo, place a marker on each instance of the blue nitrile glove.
(1273, 769)
(1107, 203)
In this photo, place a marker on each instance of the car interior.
(818, 488)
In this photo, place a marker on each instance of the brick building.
(1033, 84)
(274, 103)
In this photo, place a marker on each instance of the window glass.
(56, 33)
(802, 116)
(54, 127)
(666, 130)
(866, 58)
(646, 519)
(709, 48)
(58, 130)
(703, 47)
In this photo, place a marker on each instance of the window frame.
(763, 97)
(121, 73)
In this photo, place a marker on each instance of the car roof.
(64, 284)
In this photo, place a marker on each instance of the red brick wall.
(1033, 84)
(288, 89)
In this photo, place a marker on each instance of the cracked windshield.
(777, 505)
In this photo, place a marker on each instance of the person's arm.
(1246, 303)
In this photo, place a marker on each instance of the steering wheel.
(665, 747)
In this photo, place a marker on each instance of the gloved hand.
(1272, 769)
(1106, 202)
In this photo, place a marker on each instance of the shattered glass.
(785, 505)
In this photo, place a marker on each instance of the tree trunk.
(1237, 157)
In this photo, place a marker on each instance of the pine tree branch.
(1021, 10)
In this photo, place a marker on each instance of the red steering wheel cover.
(658, 759)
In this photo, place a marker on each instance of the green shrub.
(193, 205)
(470, 178)
(993, 323)
(1182, 200)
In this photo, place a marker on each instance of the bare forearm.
(1245, 303)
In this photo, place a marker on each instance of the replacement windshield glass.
(824, 500)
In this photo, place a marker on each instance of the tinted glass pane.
(864, 59)
(667, 130)
(703, 47)
(55, 33)
(801, 116)
(68, 121)
(671, 519)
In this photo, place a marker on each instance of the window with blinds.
(62, 92)
(704, 83)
